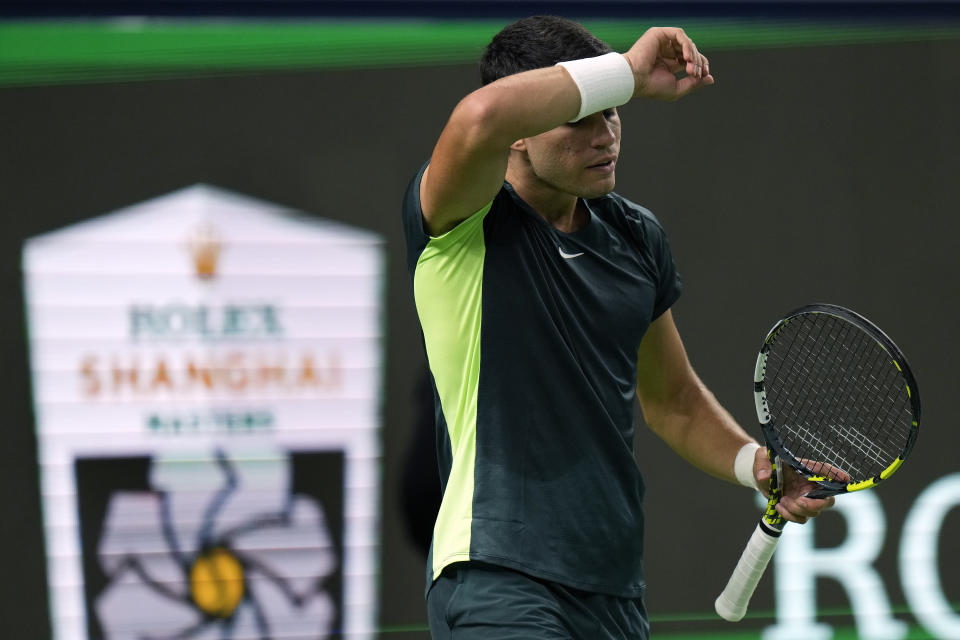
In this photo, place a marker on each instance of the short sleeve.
(655, 253)
(669, 282)
(415, 233)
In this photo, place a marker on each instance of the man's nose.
(603, 132)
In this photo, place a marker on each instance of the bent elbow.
(481, 122)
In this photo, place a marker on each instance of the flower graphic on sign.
(219, 550)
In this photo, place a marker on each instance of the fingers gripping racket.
(838, 403)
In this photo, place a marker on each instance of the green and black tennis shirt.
(532, 337)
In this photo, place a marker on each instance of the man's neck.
(565, 212)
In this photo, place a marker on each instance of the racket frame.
(732, 603)
(828, 486)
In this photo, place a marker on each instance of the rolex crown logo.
(205, 247)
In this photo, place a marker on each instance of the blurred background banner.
(207, 373)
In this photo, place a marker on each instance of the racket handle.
(732, 603)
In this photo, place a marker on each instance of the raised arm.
(469, 161)
(679, 408)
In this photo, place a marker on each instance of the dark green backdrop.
(810, 172)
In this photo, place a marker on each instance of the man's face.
(578, 158)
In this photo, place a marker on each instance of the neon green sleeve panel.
(448, 290)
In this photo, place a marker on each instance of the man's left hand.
(794, 504)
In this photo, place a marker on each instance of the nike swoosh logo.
(566, 255)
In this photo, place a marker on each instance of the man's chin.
(598, 190)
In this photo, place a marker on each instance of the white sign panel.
(207, 373)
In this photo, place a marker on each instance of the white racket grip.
(732, 603)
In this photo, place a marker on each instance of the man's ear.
(519, 145)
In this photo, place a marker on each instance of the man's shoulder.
(616, 209)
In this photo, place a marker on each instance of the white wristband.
(604, 82)
(743, 465)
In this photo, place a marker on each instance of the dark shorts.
(476, 601)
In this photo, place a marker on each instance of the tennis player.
(544, 299)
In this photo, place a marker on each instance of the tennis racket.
(838, 403)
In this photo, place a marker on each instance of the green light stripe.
(43, 53)
(54, 52)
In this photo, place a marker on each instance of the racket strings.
(836, 399)
(816, 449)
(846, 434)
(857, 447)
(860, 395)
(813, 395)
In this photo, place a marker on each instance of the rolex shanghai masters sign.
(207, 374)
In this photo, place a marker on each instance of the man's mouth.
(605, 166)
